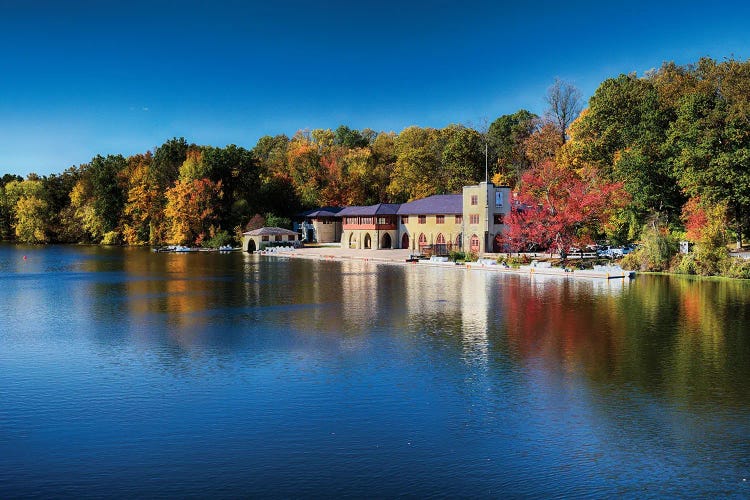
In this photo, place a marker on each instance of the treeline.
(671, 150)
(189, 194)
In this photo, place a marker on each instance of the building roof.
(321, 212)
(270, 231)
(372, 210)
(435, 204)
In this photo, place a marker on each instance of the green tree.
(30, 209)
(462, 157)
(417, 172)
(344, 136)
(710, 146)
(107, 190)
(506, 138)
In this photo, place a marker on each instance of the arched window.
(474, 243)
(458, 241)
(422, 241)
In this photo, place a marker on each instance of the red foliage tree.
(557, 208)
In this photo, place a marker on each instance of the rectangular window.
(423, 219)
(382, 220)
(459, 219)
(474, 199)
(404, 219)
(291, 237)
(264, 238)
(368, 220)
(474, 219)
(439, 219)
(498, 219)
(277, 237)
(498, 199)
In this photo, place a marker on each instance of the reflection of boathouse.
(470, 221)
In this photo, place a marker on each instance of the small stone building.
(258, 239)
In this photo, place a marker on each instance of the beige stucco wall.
(430, 228)
(376, 238)
(327, 233)
(491, 200)
(260, 244)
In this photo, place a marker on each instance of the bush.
(111, 238)
(517, 261)
(683, 264)
(219, 239)
(736, 268)
(456, 256)
(472, 257)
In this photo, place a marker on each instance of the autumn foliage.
(556, 208)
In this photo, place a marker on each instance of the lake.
(126, 373)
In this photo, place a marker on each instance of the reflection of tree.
(680, 338)
(552, 319)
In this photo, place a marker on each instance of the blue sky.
(86, 77)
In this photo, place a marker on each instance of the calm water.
(126, 373)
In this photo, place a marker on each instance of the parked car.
(610, 252)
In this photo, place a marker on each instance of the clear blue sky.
(86, 77)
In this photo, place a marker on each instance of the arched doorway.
(440, 246)
(351, 240)
(422, 242)
(405, 241)
(474, 243)
(386, 241)
(368, 241)
(251, 245)
(458, 242)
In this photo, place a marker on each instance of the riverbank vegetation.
(656, 159)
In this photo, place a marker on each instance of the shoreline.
(399, 257)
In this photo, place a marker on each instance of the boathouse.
(369, 227)
(259, 239)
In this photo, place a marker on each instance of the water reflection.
(678, 337)
(445, 380)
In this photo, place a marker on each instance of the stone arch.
(352, 241)
(367, 241)
(386, 243)
(250, 246)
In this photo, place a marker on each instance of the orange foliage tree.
(190, 210)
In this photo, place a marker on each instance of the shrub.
(683, 264)
(219, 239)
(111, 238)
(736, 268)
(517, 261)
(456, 256)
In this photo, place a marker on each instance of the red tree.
(557, 208)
